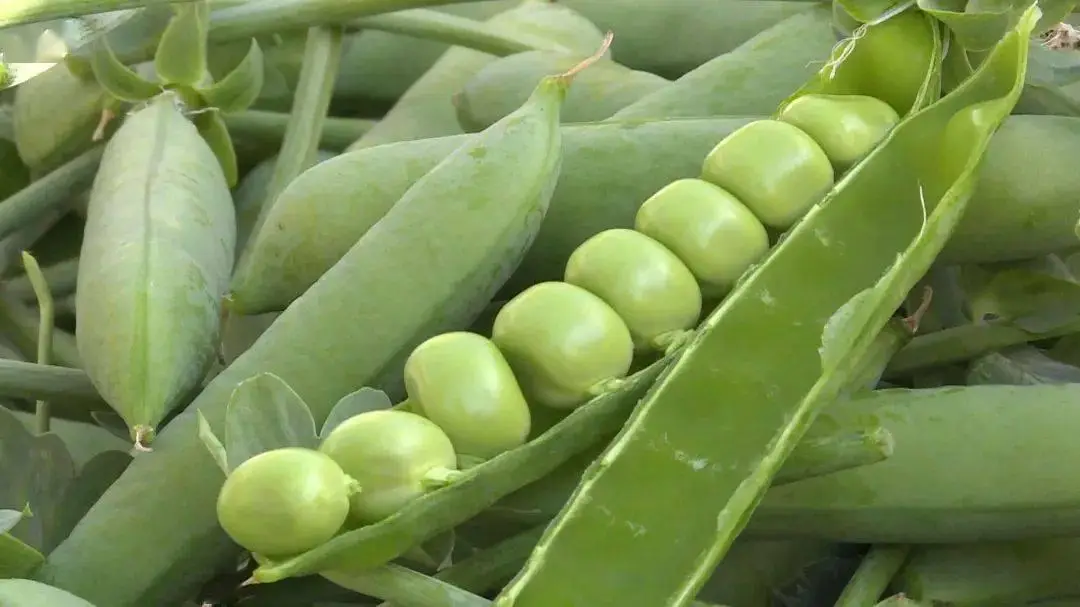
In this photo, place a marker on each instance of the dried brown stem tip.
(913, 321)
(599, 54)
(1061, 37)
(107, 116)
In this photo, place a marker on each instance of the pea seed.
(847, 127)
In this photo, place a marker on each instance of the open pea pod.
(897, 60)
(718, 424)
(155, 262)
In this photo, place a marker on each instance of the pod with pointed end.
(714, 234)
(461, 381)
(654, 293)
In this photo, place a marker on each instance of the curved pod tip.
(569, 75)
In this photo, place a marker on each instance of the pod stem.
(599, 54)
(143, 435)
(439, 477)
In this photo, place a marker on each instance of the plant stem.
(53, 192)
(62, 277)
(821, 456)
(405, 588)
(45, 329)
(964, 343)
(268, 128)
(20, 12)
(322, 56)
(18, 323)
(426, 24)
(873, 575)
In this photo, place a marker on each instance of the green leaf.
(213, 130)
(17, 560)
(363, 400)
(118, 79)
(181, 52)
(1032, 300)
(239, 89)
(264, 413)
(99, 473)
(36, 470)
(213, 444)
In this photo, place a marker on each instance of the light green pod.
(395, 456)
(28, 593)
(563, 343)
(154, 266)
(772, 167)
(847, 127)
(706, 227)
(461, 381)
(654, 293)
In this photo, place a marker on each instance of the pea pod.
(154, 265)
(502, 85)
(425, 110)
(607, 171)
(28, 593)
(719, 458)
(483, 203)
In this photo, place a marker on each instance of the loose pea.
(285, 501)
(563, 343)
(847, 127)
(396, 456)
(654, 293)
(463, 383)
(774, 168)
(713, 233)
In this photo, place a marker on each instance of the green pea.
(563, 343)
(774, 168)
(284, 501)
(847, 127)
(713, 233)
(654, 293)
(463, 383)
(396, 456)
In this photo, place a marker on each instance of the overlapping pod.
(154, 266)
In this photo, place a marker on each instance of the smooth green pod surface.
(391, 454)
(713, 233)
(426, 109)
(563, 343)
(54, 117)
(284, 501)
(847, 127)
(774, 168)
(28, 593)
(599, 92)
(461, 381)
(911, 498)
(607, 170)
(154, 265)
(718, 454)
(475, 213)
(654, 293)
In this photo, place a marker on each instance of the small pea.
(847, 127)
(463, 383)
(285, 501)
(713, 233)
(654, 293)
(772, 167)
(563, 343)
(394, 455)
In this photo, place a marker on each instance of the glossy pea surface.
(283, 502)
(645, 283)
(463, 383)
(389, 453)
(562, 341)
(707, 228)
(847, 127)
(772, 167)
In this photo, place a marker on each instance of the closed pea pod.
(28, 593)
(154, 265)
(395, 456)
(461, 381)
(713, 233)
(563, 342)
(645, 283)
(847, 127)
(284, 501)
(772, 167)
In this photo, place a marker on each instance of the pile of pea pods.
(533, 303)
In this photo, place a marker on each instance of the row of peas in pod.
(558, 344)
